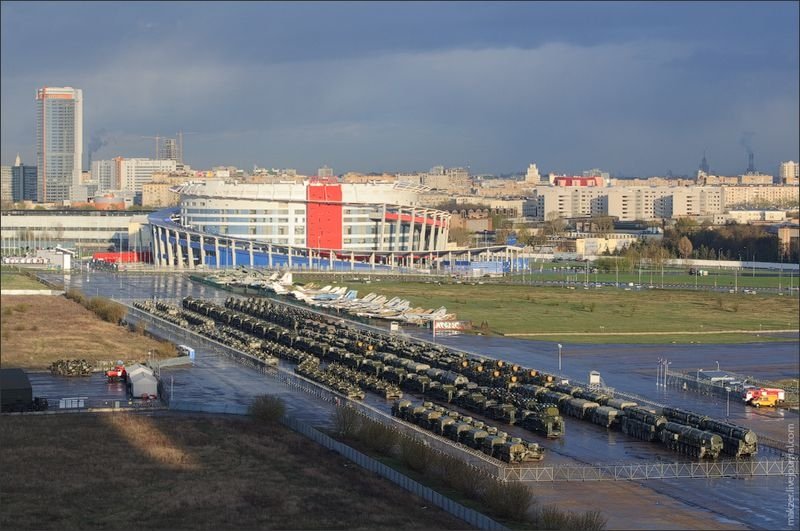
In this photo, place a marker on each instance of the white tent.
(142, 383)
(138, 368)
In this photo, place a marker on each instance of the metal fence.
(693, 382)
(644, 471)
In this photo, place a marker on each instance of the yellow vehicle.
(762, 396)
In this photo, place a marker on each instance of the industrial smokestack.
(751, 167)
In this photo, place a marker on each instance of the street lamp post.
(559, 357)
(658, 373)
(717, 365)
(728, 403)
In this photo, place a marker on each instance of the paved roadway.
(754, 502)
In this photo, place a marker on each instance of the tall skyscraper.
(704, 164)
(59, 143)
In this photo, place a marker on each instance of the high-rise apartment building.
(168, 149)
(59, 143)
(325, 172)
(24, 182)
(789, 172)
(5, 183)
(104, 173)
(133, 173)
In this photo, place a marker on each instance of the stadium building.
(316, 223)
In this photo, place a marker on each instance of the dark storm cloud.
(634, 88)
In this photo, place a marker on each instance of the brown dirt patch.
(36, 330)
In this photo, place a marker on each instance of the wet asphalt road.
(755, 502)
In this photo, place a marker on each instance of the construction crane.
(180, 144)
(157, 139)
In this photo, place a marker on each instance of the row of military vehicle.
(467, 431)
(312, 370)
(385, 369)
(591, 405)
(641, 423)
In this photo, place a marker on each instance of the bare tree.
(603, 225)
(685, 247)
(554, 223)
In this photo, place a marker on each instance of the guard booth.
(16, 393)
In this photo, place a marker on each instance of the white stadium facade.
(317, 224)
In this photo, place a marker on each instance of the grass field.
(180, 472)
(11, 280)
(716, 278)
(38, 329)
(603, 316)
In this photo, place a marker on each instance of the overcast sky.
(635, 89)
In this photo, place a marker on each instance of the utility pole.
(559, 357)
(658, 372)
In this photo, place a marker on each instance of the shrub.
(589, 521)
(347, 421)
(460, 476)
(550, 517)
(510, 500)
(77, 296)
(267, 409)
(377, 436)
(165, 349)
(416, 455)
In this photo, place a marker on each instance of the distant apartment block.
(168, 149)
(24, 182)
(104, 173)
(790, 172)
(325, 172)
(133, 173)
(6, 183)
(647, 203)
(565, 180)
(756, 179)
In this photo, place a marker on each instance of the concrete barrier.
(49, 292)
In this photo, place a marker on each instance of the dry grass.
(10, 280)
(37, 330)
(182, 472)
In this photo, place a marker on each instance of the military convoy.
(467, 431)
(352, 361)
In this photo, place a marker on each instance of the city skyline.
(634, 89)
